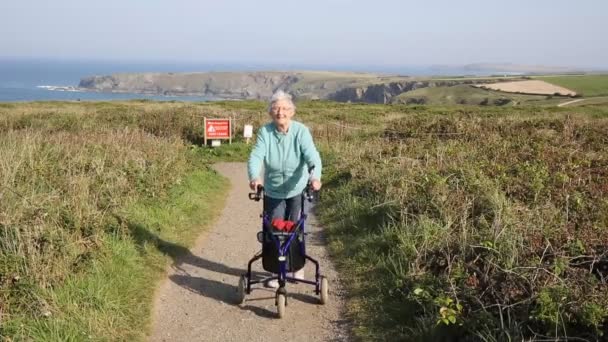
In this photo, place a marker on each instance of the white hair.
(280, 95)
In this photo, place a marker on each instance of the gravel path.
(197, 302)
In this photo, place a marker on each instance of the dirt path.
(197, 301)
(569, 102)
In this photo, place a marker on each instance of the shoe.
(299, 274)
(273, 284)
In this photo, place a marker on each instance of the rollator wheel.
(242, 289)
(324, 290)
(281, 305)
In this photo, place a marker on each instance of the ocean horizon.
(35, 79)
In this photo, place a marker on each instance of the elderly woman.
(285, 149)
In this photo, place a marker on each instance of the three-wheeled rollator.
(283, 251)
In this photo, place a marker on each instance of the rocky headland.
(337, 86)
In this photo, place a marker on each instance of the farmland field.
(529, 87)
(470, 95)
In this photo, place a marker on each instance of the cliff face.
(384, 93)
(377, 93)
(221, 85)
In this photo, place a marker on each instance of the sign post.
(248, 132)
(218, 129)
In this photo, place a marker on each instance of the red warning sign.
(217, 129)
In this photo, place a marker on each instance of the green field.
(466, 94)
(596, 101)
(587, 85)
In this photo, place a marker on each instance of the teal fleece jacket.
(285, 158)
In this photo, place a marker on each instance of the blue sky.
(311, 32)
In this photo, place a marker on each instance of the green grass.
(587, 85)
(112, 300)
(235, 152)
(97, 198)
(416, 200)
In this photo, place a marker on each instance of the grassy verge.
(112, 299)
(96, 198)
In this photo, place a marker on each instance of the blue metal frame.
(283, 249)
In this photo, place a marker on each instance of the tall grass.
(79, 251)
(448, 223)
(59, 191)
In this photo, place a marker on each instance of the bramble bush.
(472, 225)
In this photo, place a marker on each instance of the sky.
(310, 32)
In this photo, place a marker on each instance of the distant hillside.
(465, 94)
(338, 86)
(519, 68)
(222, 85)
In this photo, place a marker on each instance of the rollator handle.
(309, 193)
(257, 196)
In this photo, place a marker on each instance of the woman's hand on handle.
(254, 184)
(316, 184)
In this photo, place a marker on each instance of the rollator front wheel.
(324, 290)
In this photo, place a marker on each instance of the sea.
(55, 80)
(29, 79)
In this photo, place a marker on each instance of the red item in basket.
(284, 225)
(278, 224)
(289, 225)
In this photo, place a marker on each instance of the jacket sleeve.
(256, 158)
(310, 153)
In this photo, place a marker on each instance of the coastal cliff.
(220, 85)
(342, 87)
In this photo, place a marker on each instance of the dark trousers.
(285, 209)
